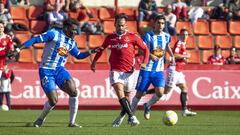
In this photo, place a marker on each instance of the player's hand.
(93, 66)
(95, 50)
(143, 65)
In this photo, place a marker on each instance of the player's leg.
(118, 87)
(48, 85)
(1, 98)
(141, 87)
(181, 83)
(7, 95)
(48, 106)
(118, 121)
(158, 83)
(67, 84)
(183, 99)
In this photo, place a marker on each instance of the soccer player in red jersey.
(122, 44)
(6, 45)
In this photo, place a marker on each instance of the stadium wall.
(208, 90)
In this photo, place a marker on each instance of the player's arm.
(45, 37)
(99, 53)
(143, 47)
(81, 55)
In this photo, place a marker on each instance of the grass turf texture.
(95, 122)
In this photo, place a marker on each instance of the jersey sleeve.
(77, 54)
(45, 37)
(176, 48)
(105, 44)
(140, 43)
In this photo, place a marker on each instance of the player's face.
(1, 28)
(121, 26)
(159, 25)
(184, 36)
(71, 31)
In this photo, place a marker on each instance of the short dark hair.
(160, 17)
(120, 16)
(1, 22)
(183, 30)
(69, 22)
(216, 47)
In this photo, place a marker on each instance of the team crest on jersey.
(62, 51)
(126, 39)
(159, 52)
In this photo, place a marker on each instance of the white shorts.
(127, 79)
(174, 77)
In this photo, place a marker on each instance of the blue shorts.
(50, 77)
(146, 78)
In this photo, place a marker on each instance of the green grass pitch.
(97, 122)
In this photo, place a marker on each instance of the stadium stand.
(224, 41)
(205, 42)
(130, 12)
(234, 27)
(23, 37)
(201, 27)
(95, 40)
(237, 41)
(195, 56)
(106, 13)
(18, 13)
(26, 56)
(34, 12)
(191, 43)
(184, 24)
(81, 41)
(205, 55)
(218, 27)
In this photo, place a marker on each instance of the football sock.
(126, 106)
(122, 113)
(46, 109)
(73, 108)
(153, 100)
(135, 101)
(183, 98)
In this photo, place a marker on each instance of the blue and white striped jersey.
(156, 42)
(56, 49)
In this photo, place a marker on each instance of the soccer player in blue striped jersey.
(158, 43)
(59, 43)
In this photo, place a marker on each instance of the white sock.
(153, 100)
(46, 109)
(73, 108)
(134, 104)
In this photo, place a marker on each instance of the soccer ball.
(170, 118)
(4, 108)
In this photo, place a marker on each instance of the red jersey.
(122, 47)
(179, 48)
(5, 44)
(216, 60)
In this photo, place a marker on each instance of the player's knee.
(53, 102)
(73, 93)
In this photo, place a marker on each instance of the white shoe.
(38, 123)
(118, 121)
(133, 121)
(74, 125)
(147, 111)
(188, 113)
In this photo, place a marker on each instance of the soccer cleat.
(188, 113)
(133, 121)
(74, 125)
(38, 123)
(147, 111)
(118, 121)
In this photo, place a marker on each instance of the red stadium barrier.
(208, 89)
